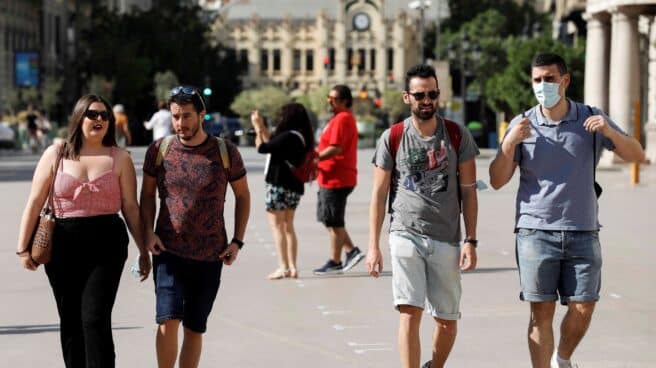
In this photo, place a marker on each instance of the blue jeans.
(559, 263)
(185, 289)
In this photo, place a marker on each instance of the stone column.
(624, 71)
(597, 53)
(650, 127)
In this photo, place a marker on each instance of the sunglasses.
(187, 91)
(94, 114)
(419, 96)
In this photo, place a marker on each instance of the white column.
(624, 71)
(650, 127)
(597, 52)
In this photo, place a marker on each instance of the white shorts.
(426, 272)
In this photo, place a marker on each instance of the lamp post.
(420, 5)
(458, 52)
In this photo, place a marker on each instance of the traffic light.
(208, 117)
(207, 91)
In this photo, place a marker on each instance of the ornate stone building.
(363, 43)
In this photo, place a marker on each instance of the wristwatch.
(473, 242)
(239, 243)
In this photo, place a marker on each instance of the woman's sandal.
(278, 274)
(293, 273)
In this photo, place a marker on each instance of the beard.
(424, 112)
(189, 133)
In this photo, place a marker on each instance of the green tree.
(99, 85)
(267, 100)
(164, 82)
(49, 92)
(392, 104)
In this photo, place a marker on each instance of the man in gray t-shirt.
(557, 145)
(432, 161)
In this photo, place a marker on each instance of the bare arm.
(130, 209)
(467, 170)
(330, 152)
(147, 211)
(41, 182)
(381, 186)
(628, 148)
(262, 133)
(242, 212)
(503, 166)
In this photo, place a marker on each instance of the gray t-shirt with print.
(426, 201)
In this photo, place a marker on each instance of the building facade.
(362, 43)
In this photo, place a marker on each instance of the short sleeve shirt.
(556, 181)
(340, 171)
(426, 200)
(192, 185)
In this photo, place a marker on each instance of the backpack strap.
(455, 135)
(223, 152)
(163, 149)
(396, 132)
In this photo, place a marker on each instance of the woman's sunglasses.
(419, 96)
(94, 114)
(187, 91)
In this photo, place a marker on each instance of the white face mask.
(547, 93)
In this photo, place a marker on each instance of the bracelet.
(473, 242)
(239, 243)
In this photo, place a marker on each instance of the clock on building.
(361, 21)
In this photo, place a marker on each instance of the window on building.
(362, 59)
(372, 59)
(309, 60)
(331, 55)
(264, 60)
(243, 56)
(350, 58)
(276, 60)
(296, 60)
(390, 60)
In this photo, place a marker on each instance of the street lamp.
(420, 5)
(459, 52)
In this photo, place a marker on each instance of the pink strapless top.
(75, 198)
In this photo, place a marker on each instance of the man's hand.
(154, 244)
(374, 261)
(597, 123)
(519, 132)
(229, 255)
(468, 257)
(144, 265)
(27, 262)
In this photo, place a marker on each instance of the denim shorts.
(278, 198)
(426, 272)
(559, 263)
(185, 289)
(331, 206)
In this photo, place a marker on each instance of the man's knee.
(583, 310)
(542, 313)
(169, 327)
(410, 316)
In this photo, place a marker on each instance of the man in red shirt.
(336, 178)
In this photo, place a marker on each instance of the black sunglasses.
(187, 91)
(419, 96)
(94, 114)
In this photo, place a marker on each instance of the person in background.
(160, 122)
(337, 177)
(288, 145)
(123, 137)
(95, 181)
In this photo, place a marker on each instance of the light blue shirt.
(556, 182)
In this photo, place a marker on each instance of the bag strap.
(60, 155)
(455, 136)
(298, 134)
(163, 149)
(223, 152)
(594, 148)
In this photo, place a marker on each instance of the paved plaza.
(348, 321)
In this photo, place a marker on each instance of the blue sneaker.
(353, 258)
(330, 267)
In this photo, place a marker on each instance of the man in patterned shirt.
(191, 171)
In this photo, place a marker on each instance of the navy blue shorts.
(185, 289)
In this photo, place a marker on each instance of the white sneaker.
(560, 363)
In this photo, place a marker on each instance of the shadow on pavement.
(34, 329)
(345, 275)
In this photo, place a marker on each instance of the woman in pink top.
(95, 180)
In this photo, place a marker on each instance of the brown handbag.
(41, 243)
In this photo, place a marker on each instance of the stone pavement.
(348, 320)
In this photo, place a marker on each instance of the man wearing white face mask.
(557, 144)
